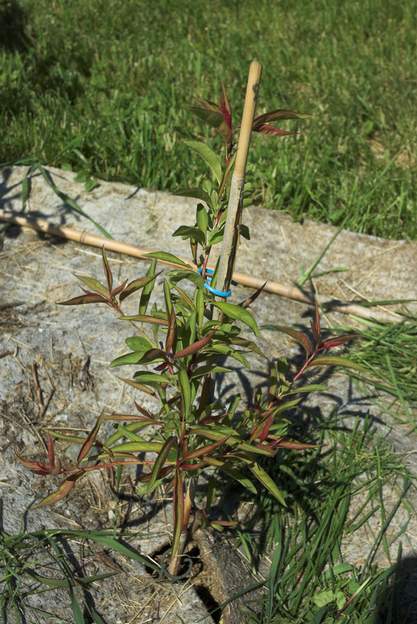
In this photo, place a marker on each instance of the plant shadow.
(396, 601)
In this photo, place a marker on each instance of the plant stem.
(178, 512)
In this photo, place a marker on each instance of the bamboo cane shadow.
(66, 210)
(396, 599)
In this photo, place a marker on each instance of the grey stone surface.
(69, 349)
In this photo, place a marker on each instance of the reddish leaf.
(224, 523)
(118, 289)
(144, 411)
(337, 341)
(276, 114)
(272, 130)
(130, 418)
(196, 346)
(226, 128)
(63, 490)
(107, 270)
(298, 336)
(225, 109)
(88, 297)
(51, 451)
(89, 441)
(289, 444)
(208, 112)
(153, 354)
(315, 325)
(190, 467)
(171, 332)
(249, 300)
(145, 318)
(138, 386)
(205, 450)
(34, 466)
(263, 434)
(335, 360)
(137, 284)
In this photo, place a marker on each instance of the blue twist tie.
(219, 293)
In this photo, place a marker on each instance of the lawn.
(105, 87)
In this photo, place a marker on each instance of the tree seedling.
(177, 350)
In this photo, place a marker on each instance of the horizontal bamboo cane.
(288, 292)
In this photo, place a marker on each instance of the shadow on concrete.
(397, 599)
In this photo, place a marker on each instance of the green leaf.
(185, 392)
(239, 476)
(264, 478)
(209, 370)
(144, 377)
(76, 610)
(93, 284)
(244, 231)
(192, 233)
(127, 358)
(148, 288)
(108, 541)
(334, 360)
(159, 463)
(200, 307)
(48, 581)
(216, 236)
(238, 314)
(197, 193)
(191, 276)
(307, 389)
(202, 219)
(165, 256)
(139, 343)
(322, 599)
(137, 447)
(210, 158)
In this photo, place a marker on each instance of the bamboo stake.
(288, 292)
(234, 208)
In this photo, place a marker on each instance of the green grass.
(312, 577)
(105, 87)
(389, 354)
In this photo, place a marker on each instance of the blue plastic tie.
(219, 293)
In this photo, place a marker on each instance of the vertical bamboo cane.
(234, 209)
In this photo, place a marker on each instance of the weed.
(191, 430)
